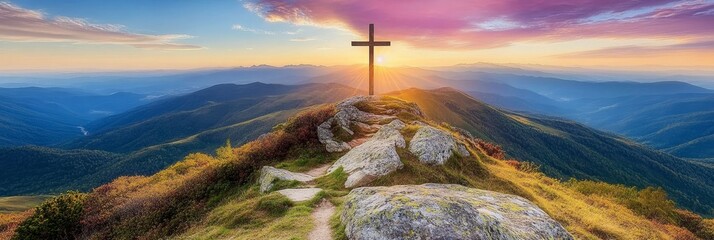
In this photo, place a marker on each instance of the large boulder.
(373, 158)
(268, 175)
(444, 211)
(434, 146)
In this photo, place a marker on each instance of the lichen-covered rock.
(373, 158)
(444, 211)
(346, 116)
(268, 175)
(434, 146)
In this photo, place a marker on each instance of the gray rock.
(300, 194)
(346, 116)
(269, 174)
(434, 146)
(324, 134)
(444, 211)
(373, 158)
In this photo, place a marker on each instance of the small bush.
(226, 151)
(275, 204)
(688, 220)
(493, 150)
(56, 218)
(10, 221)
(528, 167)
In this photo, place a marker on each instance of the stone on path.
(268, 175)
(299, 194)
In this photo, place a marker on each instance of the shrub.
(528, 167)
(493, 150)
(654, 204)
(688, 220)
(56, 218)
(226, 151)
(10, 221)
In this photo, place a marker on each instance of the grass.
(338, 229)
(302, 160)
(274, 204)
(21, 203)
(252, 215)
(333, 181)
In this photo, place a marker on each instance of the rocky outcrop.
(434, 146)
(373, 158)
(268, 175)
(326, 137)
(444, 211)
(348, 115)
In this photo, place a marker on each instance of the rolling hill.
(151, 137)
(567, 149)
(48, 116)
(681, 124)
(39, 170)
(224, 105)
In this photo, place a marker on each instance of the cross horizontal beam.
(367, 44)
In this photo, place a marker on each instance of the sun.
(380, 60)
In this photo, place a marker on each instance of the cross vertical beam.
(371, 59)
(371, 44)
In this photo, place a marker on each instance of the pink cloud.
(639, 51)
(19, 24)
(494, 23)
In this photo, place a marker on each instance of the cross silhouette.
(371, 44)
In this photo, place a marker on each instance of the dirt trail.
(319, 171)
(321, 216)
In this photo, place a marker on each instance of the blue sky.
(79, 35)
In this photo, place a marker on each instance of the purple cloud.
(494, 23)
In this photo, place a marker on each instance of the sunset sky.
(79, 35)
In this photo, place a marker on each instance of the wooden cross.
(371, 44)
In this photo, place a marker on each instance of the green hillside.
(156, 137)
(681, 124)
(41, 170)
(219, 106)
(566, 149)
